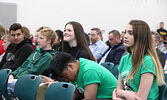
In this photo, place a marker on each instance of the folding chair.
(111, 67)
(27, 86)
(108, 65)
(165, 74)
(4, 75)
(60, 91)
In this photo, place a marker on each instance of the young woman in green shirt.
(140, 71)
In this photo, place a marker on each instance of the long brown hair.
(143, 44)
(80, 38)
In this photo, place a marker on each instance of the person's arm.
(117, 95)
(45, 79)
(75, 94)
(23, 54)
(144, 89)
(91, 80)
(95, 58)
(10, 78)
(145, 85)
(23, 66)
(122, 94)
(114, 97)
(40, 65)
(90, 91)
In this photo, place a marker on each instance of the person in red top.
(2, 32)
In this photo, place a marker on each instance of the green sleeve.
(121, 64)
(40, 66)
(90, 77)
(148, 66)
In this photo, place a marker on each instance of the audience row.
(73, 56)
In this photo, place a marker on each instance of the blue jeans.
(10, 87)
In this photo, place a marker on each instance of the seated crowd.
(75, 57)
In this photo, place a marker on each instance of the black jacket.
(78, 52)
(162, 57)
(16, 55)
(115, 54)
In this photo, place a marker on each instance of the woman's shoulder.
(82, 50)
(82, 53)
(147, 57)
(126, 56)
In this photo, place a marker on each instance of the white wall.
(105, 14)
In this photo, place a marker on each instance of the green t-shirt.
(90, 72)
(125, 68)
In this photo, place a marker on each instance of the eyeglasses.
(92, 34)
(17, 34)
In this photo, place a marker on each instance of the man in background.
(162, 31)
(161, 55)
(97, 46)
(116, 51)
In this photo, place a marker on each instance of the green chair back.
(115, 71)
(110, 66)
(165, 77)
(4, 75)
(163, 92)
(60, 91)
(27, 86)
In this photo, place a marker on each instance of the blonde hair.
(40, 28)
(49, 33)
(143, 44)
(6, 37)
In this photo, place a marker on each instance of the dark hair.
(163, 37)
(161, 22)
(60, 34)
(15, 27)
(59, 63)
(142, 36)
(80, 38)
(115, 33)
